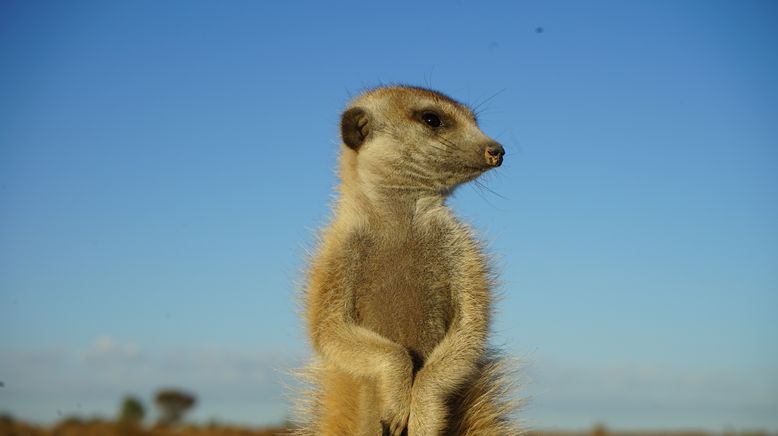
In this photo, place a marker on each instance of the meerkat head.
(414, 139)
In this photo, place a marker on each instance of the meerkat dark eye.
(431, 119)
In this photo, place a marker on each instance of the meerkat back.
(398, 297)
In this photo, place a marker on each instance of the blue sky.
(164, 166)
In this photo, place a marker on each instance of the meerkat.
(398, 297)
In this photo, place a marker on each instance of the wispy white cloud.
(107, 348)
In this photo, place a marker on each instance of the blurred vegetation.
(96, 427)
(131, 412)
(173, 404)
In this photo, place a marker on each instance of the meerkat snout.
(494, 154)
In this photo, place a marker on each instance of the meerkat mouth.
(482, 168)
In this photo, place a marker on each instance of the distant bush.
(172, 405)
(131, 411)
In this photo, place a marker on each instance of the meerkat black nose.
(495, 150)
(494, 153)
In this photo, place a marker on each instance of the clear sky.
(164, 166)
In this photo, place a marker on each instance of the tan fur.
(398, 296)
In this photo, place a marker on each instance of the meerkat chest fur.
(405, 291)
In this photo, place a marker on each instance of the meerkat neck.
(366, 195)
(390, 206)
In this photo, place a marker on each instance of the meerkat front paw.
(397, 387)
(396, 411)
(428, 411)
(395, 419)
(427, 418)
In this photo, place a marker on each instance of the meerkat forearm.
(455, 357)
(453, 360)
(364, 353)
(353, 349)
(340, 340)
(456, 354)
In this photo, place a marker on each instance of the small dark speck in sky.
(538, 30)
(2, 385)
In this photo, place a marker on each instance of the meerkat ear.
(354, 127)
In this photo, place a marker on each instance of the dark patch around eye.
(431, 119)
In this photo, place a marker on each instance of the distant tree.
(132, 411)
(172, 405)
